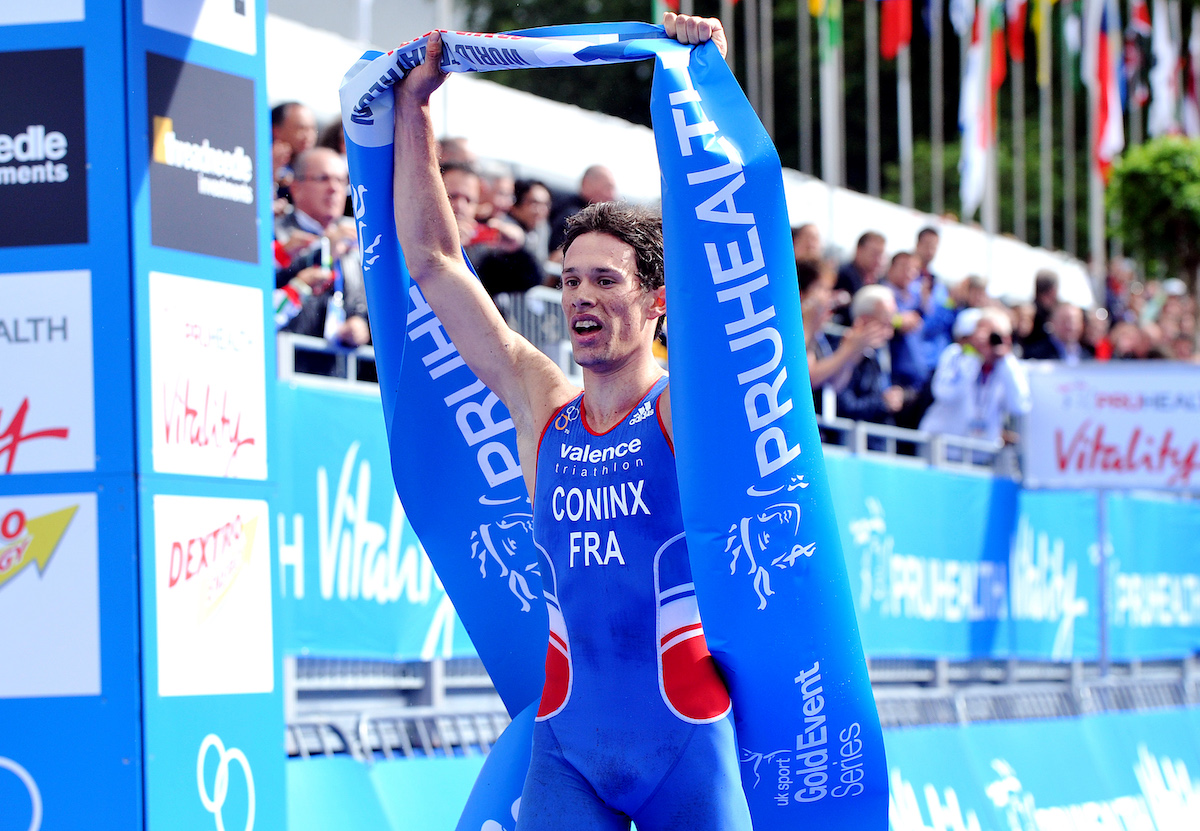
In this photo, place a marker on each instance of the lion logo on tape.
(35, 795)
(214, 802)
(769, 535)
(500, 541)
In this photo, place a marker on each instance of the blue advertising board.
(69, 661)
(964, 566)
(1154, 577)
(1115, 770)
(941, 564)
(1055, 577)
(918, 589)
(354, 580)
(134, 491)
(201, 191)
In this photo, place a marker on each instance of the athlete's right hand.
(426, 78)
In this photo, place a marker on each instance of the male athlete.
(634, 720)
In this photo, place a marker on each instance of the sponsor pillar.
(139, 670)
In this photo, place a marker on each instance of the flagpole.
(750, 36)
(727, 24)
(990, 208)
(841, 91)
(905, 118)
(1068, 145)
(831, 163)
(1096, 64)
(1096, 215)
(871, 48)
(1018, 153)
(686, 7)
(1046, 126)
(804, 85)
(766, 62)
(1136, 127)
(936, 108)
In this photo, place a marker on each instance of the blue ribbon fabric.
(766, 556)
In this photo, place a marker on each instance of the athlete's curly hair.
(639, 228)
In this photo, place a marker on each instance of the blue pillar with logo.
(139, 667)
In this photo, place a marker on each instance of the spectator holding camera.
(978, 382)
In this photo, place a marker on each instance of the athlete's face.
(609, 315)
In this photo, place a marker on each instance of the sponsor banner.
(1015, 577)
(49, 596)
(922, 593)
(1055, 587)
(203, 181)
(354, 578)
(1118, 770)
(1115, 425)
(228, 23)
(47, 421)
(207, 378)
(1018, 575)
(1154, 578)
(212, 588)
(43, 147)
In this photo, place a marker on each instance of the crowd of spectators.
(897, 345)
(511, 228)
(894, 342)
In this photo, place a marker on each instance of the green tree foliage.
(1155, 187)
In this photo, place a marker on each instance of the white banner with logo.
(46, 404)
(49, 596)
(212, 586)
(1113, 425)
(208, 398)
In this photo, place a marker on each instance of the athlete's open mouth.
(586, 325)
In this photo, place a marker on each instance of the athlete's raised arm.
(524, 379)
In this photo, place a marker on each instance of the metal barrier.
(348, 369)
(908, 693)
(405, 734)
(947, 693)
(538, 316)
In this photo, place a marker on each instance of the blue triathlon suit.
(634, 720)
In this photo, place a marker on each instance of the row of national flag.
(1108, 60)
(1145, 64)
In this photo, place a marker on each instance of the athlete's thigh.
(557, 798)
(704, 790)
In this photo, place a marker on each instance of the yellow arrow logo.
(37, 544)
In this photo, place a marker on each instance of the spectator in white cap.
(978, 383)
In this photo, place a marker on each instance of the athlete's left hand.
(693, 30)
